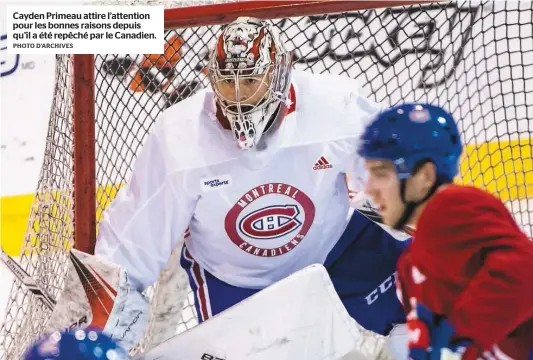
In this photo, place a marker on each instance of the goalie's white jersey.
(250, 217)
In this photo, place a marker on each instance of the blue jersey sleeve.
(362, 267)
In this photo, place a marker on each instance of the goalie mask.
(249, 70)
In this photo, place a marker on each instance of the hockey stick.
(28, 281)
(32, 285)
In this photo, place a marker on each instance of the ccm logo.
(381, 289)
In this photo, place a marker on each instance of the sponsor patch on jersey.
(270, 227)
(215, 183)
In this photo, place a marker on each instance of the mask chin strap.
(272, 118)
(410, 206)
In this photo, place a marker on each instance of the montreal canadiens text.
(253, 195)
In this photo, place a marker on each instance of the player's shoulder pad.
(456, 205)
(464, 194)
(446, 198)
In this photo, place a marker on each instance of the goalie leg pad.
(286, 327)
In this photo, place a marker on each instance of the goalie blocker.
(361, 266)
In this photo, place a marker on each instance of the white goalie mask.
(249, 70)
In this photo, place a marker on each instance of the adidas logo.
(322, 164)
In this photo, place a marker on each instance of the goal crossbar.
(216, 14)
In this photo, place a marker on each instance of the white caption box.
(85, 29)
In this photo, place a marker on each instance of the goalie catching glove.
(100, 295)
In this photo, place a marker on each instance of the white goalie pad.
(300, 317)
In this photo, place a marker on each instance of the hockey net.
(474, 58)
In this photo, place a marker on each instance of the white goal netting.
(474, 58)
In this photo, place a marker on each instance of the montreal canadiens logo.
(271, 222)
(291, 219)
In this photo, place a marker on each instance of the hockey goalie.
(466, 280)
(253, 170)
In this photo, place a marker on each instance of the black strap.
(410, 206)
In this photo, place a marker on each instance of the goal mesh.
(474, 58)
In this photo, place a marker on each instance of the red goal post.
(475, 58)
